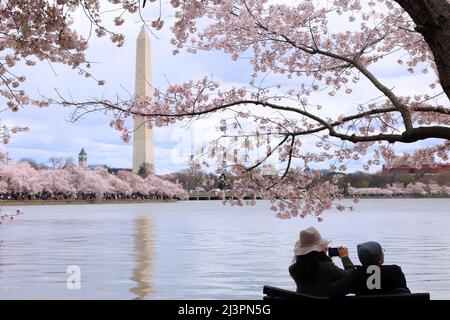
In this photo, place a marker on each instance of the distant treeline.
(192, 179)
(381, 180)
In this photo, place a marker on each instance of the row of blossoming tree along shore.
(22, 182)
(417, 189)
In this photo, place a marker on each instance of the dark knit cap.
(370, 253)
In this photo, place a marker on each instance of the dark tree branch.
(408, 136)
(432, 19)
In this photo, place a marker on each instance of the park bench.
(272, 293)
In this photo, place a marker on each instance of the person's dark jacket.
(327, 274)
(355, 281)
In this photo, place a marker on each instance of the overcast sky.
(52, 134)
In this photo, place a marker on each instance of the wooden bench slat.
(273, 293)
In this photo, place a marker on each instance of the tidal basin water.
(205, 250)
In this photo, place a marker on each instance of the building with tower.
(82, 159)
(143, 133)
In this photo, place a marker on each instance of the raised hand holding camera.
(338, 252)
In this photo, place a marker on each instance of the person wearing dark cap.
(362, 279)
(313, 271)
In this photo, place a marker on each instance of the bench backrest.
(272, 293)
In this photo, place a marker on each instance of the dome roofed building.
(268, 171)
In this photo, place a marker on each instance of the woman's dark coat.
(327, 274)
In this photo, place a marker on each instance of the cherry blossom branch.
(268, 154)
(409, 136)
(354, 62)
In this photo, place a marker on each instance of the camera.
(333, 252)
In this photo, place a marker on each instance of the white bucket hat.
(310, 240)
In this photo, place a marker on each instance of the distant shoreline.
(70, 202)
(403, 197)
(132, 201)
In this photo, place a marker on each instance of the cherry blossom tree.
(135, 182)
(436, 189)
(56, 181)
(303, 43)
(370, 192)
(3, 186)
(173, 190)
(20, 178)
(88, 181)
(418, 188)
(152, 185)
(115, 184)
(396, 189)
(162, 187)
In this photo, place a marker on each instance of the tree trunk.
(432, 19)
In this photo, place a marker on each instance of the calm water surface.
(205, 250)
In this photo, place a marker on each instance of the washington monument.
(143, 134)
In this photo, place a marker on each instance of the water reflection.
(145, 253)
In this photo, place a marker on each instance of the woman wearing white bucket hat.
(313, 271)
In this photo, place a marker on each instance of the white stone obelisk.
(143, 134)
